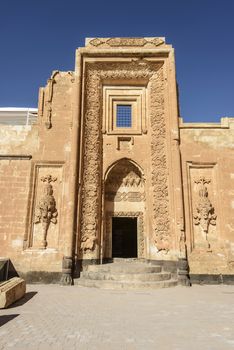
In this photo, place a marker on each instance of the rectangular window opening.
(124, 116)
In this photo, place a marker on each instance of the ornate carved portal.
(91, 194)
(124, 197)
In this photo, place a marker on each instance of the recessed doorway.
(124, 237)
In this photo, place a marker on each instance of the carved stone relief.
(92, 158)
(125, 196)
(126, 42)
(46, 201)
(124, 174)
(46, 212)
(161, 228)
(203, 207)
(204, 214)
(125, 183)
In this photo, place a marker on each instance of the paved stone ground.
(55, 317)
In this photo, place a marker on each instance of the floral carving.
(92, 164)
(204, 214)
(46, 211)
(161, 229)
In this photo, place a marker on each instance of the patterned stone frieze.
(126, 42)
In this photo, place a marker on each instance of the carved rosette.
(92, 165)
(46, 211)
(204, 213)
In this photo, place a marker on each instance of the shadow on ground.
(6, 318)
(24, 300)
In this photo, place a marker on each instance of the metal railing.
(18, 117)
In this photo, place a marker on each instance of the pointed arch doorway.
(124, 211)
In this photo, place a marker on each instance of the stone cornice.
(225, 123)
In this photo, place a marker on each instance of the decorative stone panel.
(46, 204)
(203, 206)
(124, 42)
(161, 221)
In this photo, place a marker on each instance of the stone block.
(11, 291)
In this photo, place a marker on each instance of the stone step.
(116, 285)
(125, 277)
(124, 268)
(128, 260)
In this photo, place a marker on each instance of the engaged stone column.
(66, 278)
(183, 268)
(67, 262)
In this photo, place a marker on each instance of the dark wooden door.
(124, 237)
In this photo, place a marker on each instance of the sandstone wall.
(144, 76)
(58, 178)
(28, 154)
(207, 152)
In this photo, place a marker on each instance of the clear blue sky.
(38, 36)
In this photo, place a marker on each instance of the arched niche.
(124, 202)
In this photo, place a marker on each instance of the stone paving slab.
(56, 317)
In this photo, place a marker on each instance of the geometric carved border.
(161, 221)
(140, 230)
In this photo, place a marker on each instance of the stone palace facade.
(111, 170)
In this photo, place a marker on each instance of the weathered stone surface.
(207, 172)
(125, 274)
(11, 291)
(67, 179)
